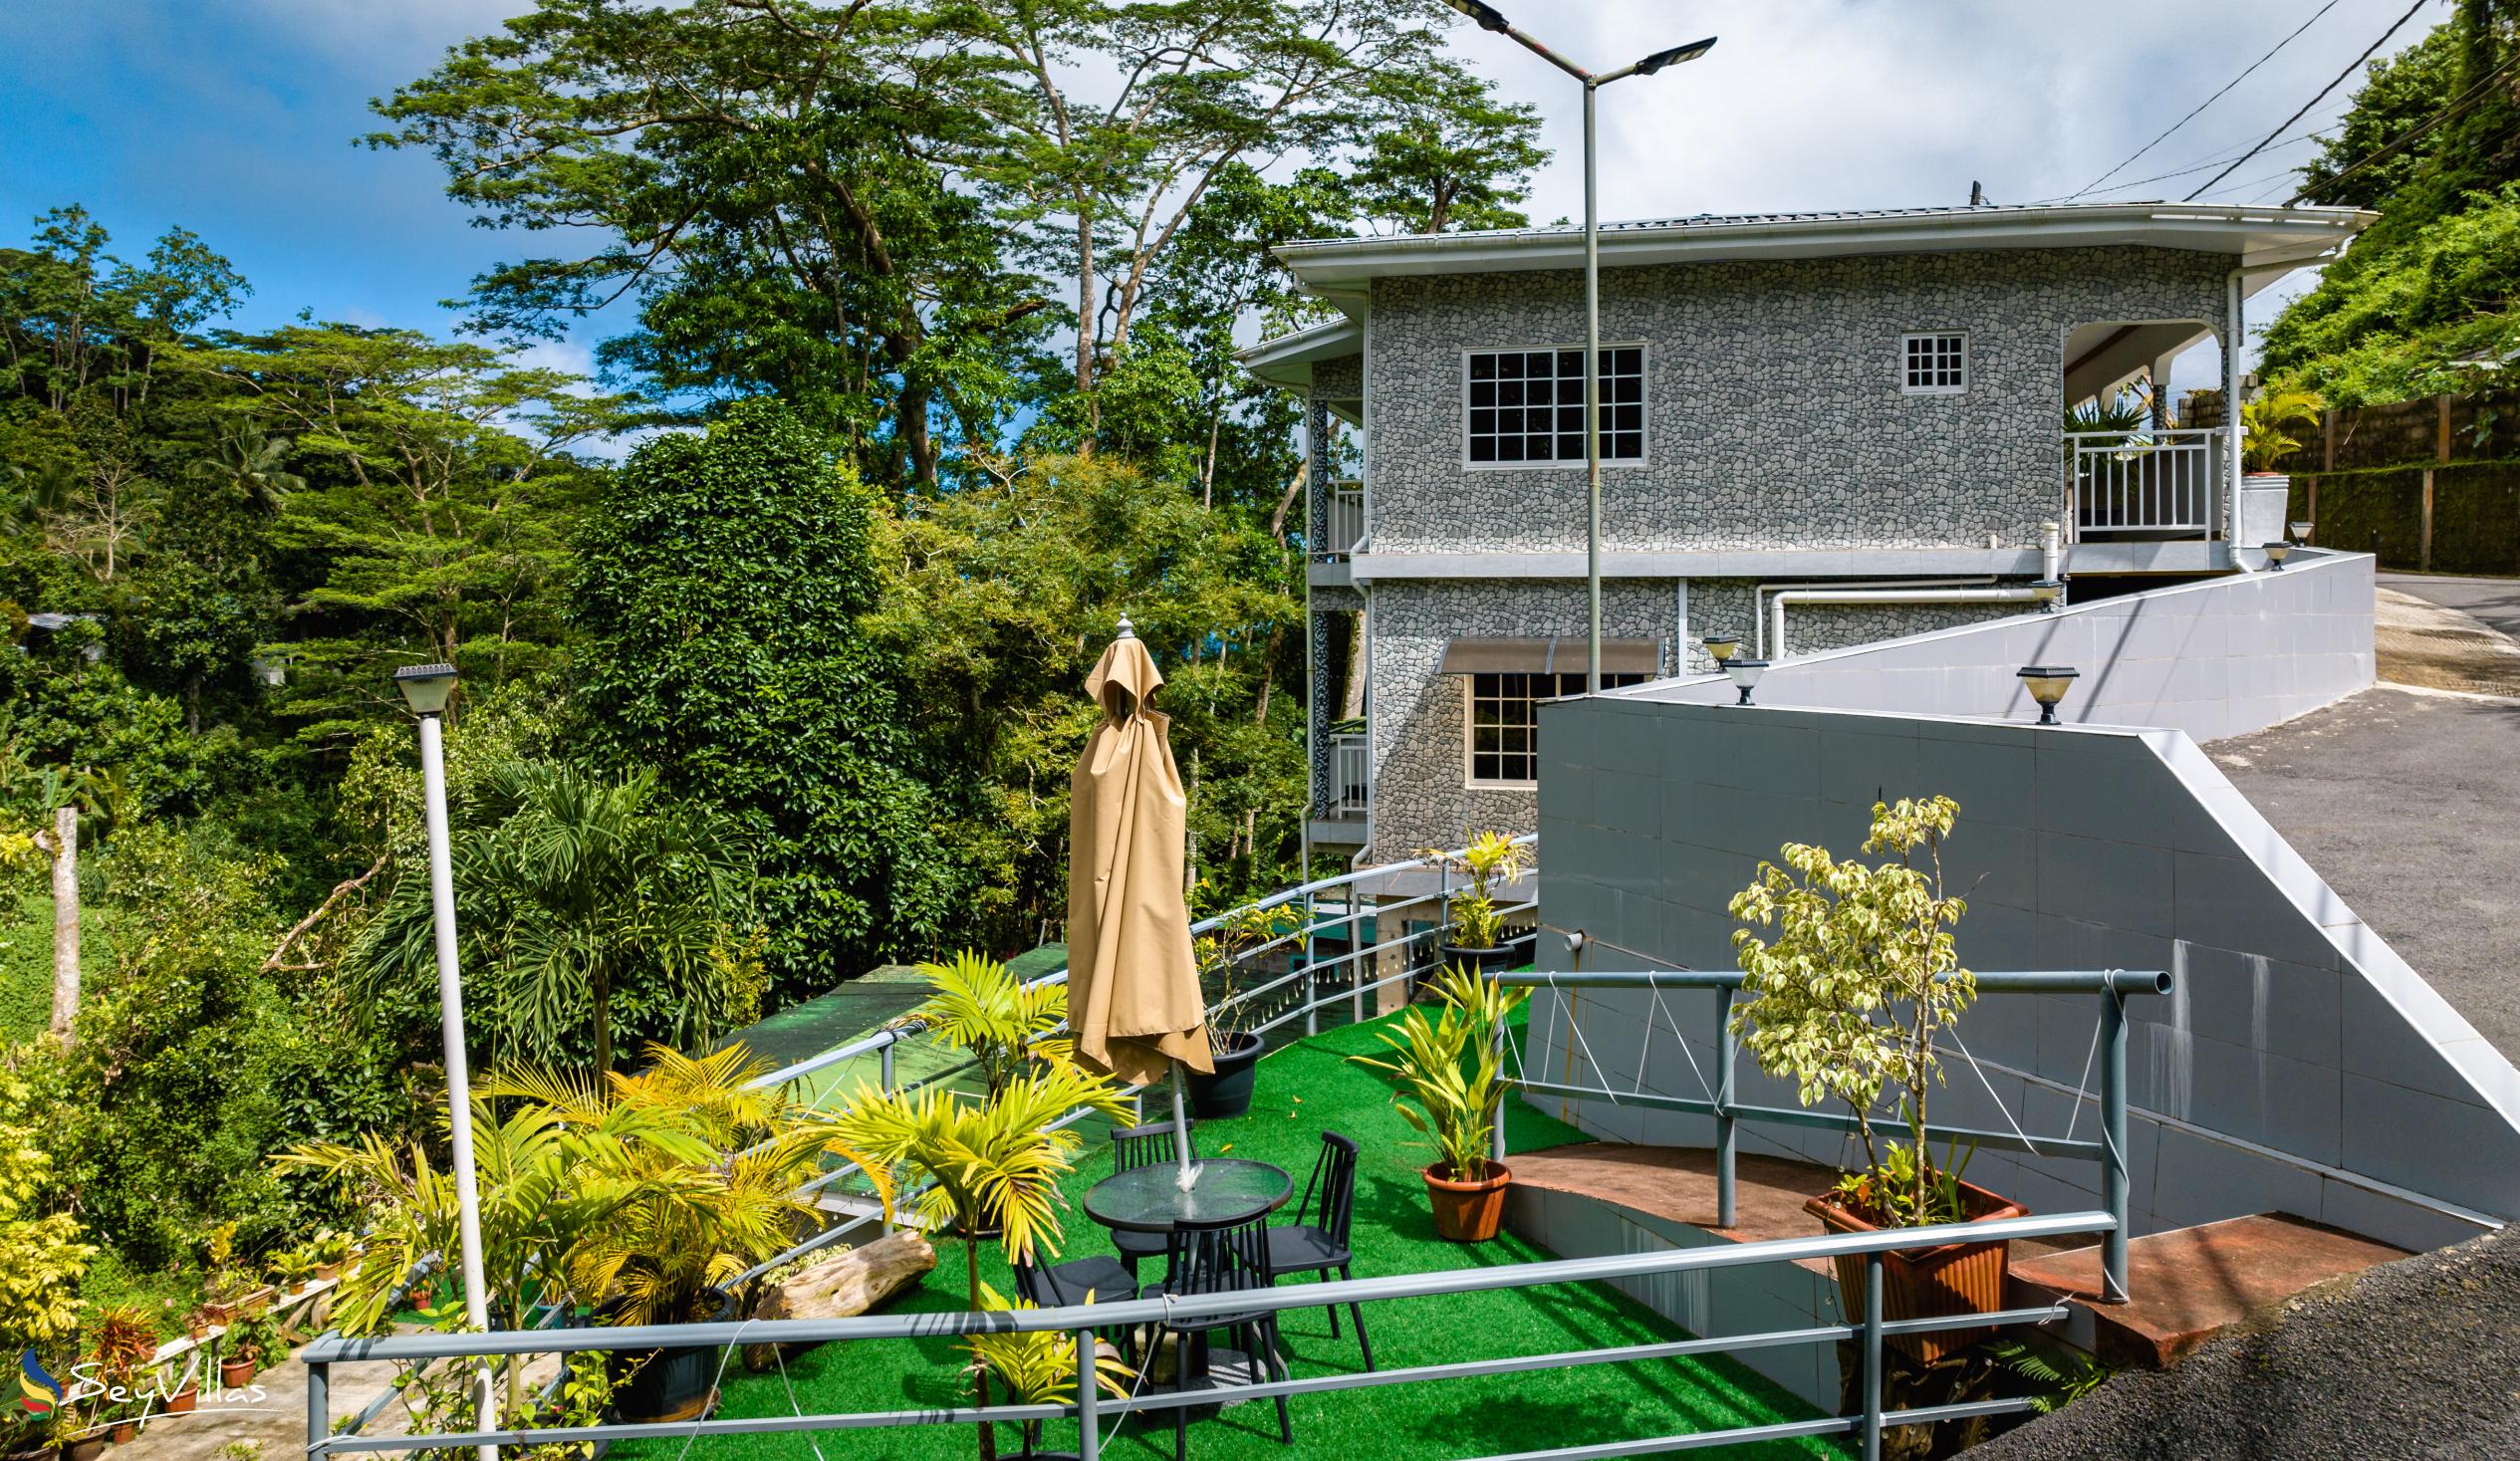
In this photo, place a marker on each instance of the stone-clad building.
(1862, 405)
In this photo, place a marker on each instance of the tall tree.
(776, 183)
(719, 586)
(1446, 153)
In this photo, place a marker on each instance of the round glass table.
(1148, 1199)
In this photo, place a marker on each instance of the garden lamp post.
(2276, 553)
(1490, 19)
(1721, 647)
(1744, 673)
(2047, 685)
(425, 689)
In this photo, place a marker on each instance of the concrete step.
(2189, 1284)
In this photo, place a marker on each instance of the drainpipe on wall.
(1759, 593)
(2022, 595)
(2051, 554)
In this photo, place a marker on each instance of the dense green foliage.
(2423, 303)
(934, 306)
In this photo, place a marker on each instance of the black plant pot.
(674, 1384)
(1481, 961)
(1228, 1091)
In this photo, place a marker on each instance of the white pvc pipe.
(2051, 554)
(2022, 595)
(1759, 593)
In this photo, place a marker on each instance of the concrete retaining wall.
(2216, 658)
(2299, 1068)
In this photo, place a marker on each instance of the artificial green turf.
(1303, 1089)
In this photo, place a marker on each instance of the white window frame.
(1644, 405)
(1611, 679)
(1907, 343)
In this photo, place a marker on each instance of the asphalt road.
(2404, 800)
(2494, 601)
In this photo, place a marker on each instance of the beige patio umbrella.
(1134, 999)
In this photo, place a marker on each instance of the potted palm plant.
(979, 1006)
(1846, 1000)
(1232, 1047)
(992, 1165)
(1452, 1072)
(1040, 1368)
(1477, 928)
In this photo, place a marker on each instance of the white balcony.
(1347, 519)
(2150, 484)
(1350, 767)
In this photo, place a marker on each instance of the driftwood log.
(837, 1287)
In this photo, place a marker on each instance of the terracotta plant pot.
(1469, 1212)
(1928, 1283)
(1228, 1092)
(86, 1448)
(182, 1402)
(236, 1372)
(125, 1432)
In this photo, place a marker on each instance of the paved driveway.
(2495, 601)
(2406, 802)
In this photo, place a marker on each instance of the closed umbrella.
(1133, 1001)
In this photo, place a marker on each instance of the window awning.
(1555, 654)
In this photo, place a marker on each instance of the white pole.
(450, 1004)
(1592, 408)
(1185, 1174)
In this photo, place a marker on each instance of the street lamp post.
(1490, 19)
(425, 689)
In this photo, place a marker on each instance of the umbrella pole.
(1187, 1174)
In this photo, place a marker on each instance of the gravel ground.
(2412, 1359)
(2404, 800)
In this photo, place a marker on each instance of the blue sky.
(236, 119)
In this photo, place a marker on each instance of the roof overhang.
(1288, 360)
(2263, 242)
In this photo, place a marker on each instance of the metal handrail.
(2109, 1151)
(1085, 1320)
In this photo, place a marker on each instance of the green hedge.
(2475, 515)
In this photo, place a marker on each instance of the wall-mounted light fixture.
(1745, 674)
(2047, 685)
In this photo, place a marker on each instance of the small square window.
(1935, 365)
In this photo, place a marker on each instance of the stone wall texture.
(1773, 402)
(1417, 716)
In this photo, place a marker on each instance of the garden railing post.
(1872, 1357)
(1724, 1125)
(1312, 982)
(2112, 1141)
(884, 1073)
(318, 1421)
(1088, 1401)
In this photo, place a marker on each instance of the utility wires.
(2368, 52)
(2201, 106)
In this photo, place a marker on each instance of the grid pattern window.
(1527, 406)
(1504, 730)
(1937, 365)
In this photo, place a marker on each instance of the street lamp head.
(1674, 56)
(1488, 17)
(426, 687)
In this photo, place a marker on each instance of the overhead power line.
(2216, 161)
(2368, 52)
(2458, 103)
(2201, 105)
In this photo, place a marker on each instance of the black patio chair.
(1317, 1241)
(1139, 1146)
(1203, 1258)
(1096, 1279)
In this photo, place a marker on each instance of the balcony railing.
(1347, 519)
(2152, 483)
(1351, 763)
